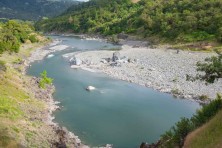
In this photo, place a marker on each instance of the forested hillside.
(184, 20)
(33, 9)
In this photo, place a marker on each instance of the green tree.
(212, 67)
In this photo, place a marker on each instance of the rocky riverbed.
(163, 69)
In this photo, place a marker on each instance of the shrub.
(207, 112)
(44, 79)
(219, 34)
(175, 91)
(176, 136)
(212, 67)
(33, 38)
(203, 97)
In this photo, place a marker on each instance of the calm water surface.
(118, 112)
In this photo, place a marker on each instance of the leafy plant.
(44, 80)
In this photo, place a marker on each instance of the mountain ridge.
(33, 9)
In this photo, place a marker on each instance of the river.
(117, 112)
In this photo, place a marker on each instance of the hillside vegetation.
(21, 112)
(184, 20)
(14, 33)
(176, 136)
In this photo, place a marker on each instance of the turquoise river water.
(118, 112)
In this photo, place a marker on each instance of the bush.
(207, 112)
(195, 36)
(203, 97)
(219, 34)
(13, 34)
(44, 80)
(212, 67)
(33, 38)
(176, 136)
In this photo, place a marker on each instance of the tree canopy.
(184, 20)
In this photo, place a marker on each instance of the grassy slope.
(19, 110)
(207, 136)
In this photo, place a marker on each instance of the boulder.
(130, 60)
(122, 36)
(117, 64)
(90, 88)
(108, 59)
(124, 59)
(50, 55)
(116, 56)
(75, 61)
(103, 61)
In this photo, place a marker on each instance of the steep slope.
(20, 111)
(184, 20)
(209, 135)
(33, 9)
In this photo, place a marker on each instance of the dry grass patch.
(207, 136)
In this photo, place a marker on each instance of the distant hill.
(184, 20)
(33, 9)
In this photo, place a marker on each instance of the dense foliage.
(33, 9)
(93, 16)
(13, 34)
(184, 20)
(176, 136)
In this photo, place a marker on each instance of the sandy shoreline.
(162, 69)
(64, 137)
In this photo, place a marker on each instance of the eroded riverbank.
(62, 137)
